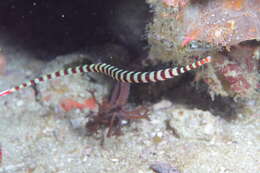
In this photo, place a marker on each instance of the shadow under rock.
(180, 91)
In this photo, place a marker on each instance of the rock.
(194, 124)
(163, 168)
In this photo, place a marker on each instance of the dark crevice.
(52, 27)
(181, 91)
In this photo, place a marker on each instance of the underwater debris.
(163, 168)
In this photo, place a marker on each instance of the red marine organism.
(112, 113)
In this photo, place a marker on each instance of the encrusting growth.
(115, 73)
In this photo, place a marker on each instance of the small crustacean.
(112, 113)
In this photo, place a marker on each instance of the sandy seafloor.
(38, 136)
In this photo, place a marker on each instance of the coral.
(68, 104)
(218, 22)
(236, 71)
(175, 3)
(182, 29)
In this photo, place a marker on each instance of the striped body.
(115, 73)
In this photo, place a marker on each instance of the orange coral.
(70, 104)
(222, 22)
(90, 103)
(175, 3)
(235, 4)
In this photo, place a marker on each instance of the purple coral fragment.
(160, 167)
